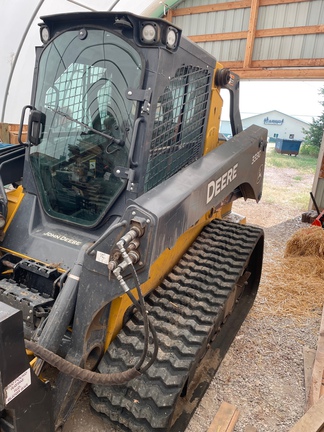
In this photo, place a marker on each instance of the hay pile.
(294, 285)
(306, 242)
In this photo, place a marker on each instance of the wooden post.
(251, 34)
(169, 15)
(317, 187)
(4, 132)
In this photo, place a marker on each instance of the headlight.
(44, 34)
(171, 38)
(150, 33)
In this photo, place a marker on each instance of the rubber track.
(186, 310)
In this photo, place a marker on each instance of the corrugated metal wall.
(290, 47)
(286, 32)
(212, 22)
(217, 22)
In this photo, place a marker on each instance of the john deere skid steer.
(121, 263)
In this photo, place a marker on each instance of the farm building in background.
(279, 125)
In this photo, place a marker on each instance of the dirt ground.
(262, 373)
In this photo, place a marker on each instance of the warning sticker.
(17, 386)
(102, 257)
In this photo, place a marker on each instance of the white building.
(279, 125)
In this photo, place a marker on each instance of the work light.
(150, 33)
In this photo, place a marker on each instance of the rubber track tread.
(185, 310)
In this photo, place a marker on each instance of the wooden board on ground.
(225, 419)
(309, 359)
(313, 420)
(316, 389)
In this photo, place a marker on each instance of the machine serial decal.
(17, 386)
(102, 257)
(62, 238)
(215, 186)
(256, 157)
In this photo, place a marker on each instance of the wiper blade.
(68, 117)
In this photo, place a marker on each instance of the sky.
(298, 99)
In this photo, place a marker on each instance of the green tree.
(313, 135)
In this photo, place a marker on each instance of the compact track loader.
(122, 264)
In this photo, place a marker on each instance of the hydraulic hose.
(77, 372)
(91, 377)
(139, 304)
(147, 325)
(97, 378)
(105, 235)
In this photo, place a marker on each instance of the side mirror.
(226, 79)
(21, 126)
(36, 126)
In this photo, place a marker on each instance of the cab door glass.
(82, 87)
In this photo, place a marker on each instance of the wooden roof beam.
(212, 8)
(279, 2)
(241, 4)
(218, 36)
(290, 31)
(278, 63)
(276, 32)
(300, 73)
(251, 33)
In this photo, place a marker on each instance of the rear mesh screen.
(180, 116)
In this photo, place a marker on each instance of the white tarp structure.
(19, 30)
(19, 34)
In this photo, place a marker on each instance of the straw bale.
(306, 242)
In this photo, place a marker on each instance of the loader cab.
(83, 77)
(119, 105)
